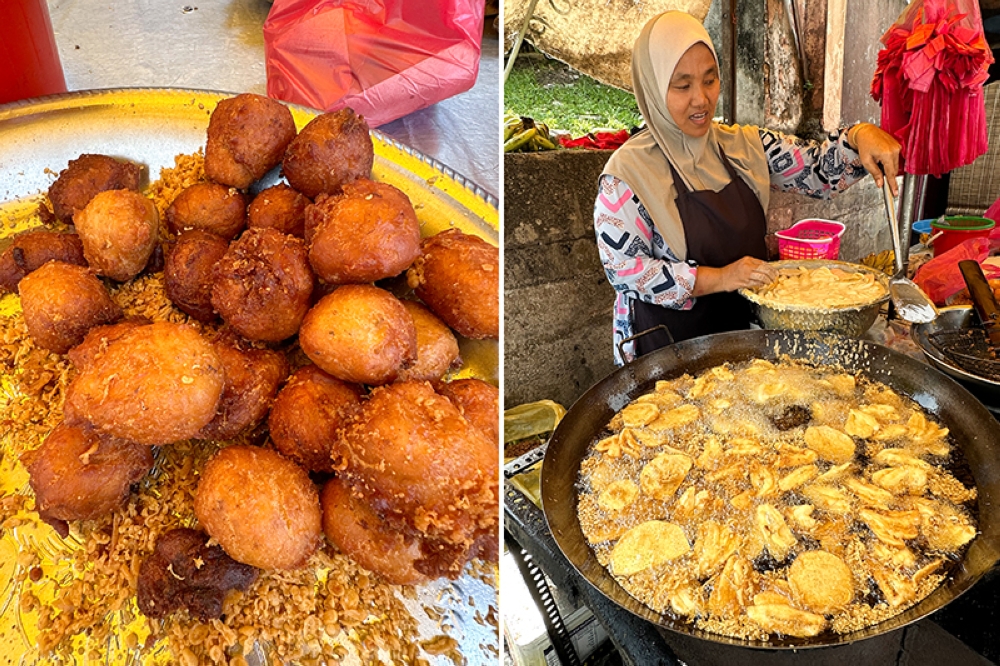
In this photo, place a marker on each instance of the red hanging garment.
(929, 81)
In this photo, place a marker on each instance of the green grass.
(564, 99)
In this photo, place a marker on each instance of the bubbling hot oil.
(745, 448)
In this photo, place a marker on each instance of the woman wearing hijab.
(680, 215)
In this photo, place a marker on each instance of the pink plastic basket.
(810, 239)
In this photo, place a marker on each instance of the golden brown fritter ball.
(359, 334)
(209, 207)
(119, 230)
(31, 249)
(279, 207)
(79, 474)
(252, 379)
(423, 466)
(262, 508)
(247, 136)
(189, 270)
(362, 238)
(330, 151)
(84, 177)
(458, 277)
(351, 525)
(98, 339)
(61, 302)
(155, 384)
(308, 417)
(478, 401)
(262, 285)
(437, 348)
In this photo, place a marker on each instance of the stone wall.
(557, 300)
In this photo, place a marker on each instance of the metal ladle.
(911, 303)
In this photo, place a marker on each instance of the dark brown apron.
(720, 227)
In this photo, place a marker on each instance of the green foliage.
(564, 99)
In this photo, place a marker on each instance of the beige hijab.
(642, 161)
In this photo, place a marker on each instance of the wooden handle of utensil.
(982, 297)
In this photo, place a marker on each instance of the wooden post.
(833, 66)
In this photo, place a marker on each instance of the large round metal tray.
(151, 126)
(851, 321)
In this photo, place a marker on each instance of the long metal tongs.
(911, 303)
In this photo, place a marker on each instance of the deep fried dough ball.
(61, 302)
(437, 348)
(210, 207)
(351, 525)
(424, 466)
(247, 136)
(188, 272)
(279, 207)
(478, 401)
(262, 285)
(262, 508)
(333, 149)
(98, 339)
(119, 230)
(363, 237)
(32, 249)
(84, 177)
(155, 384)
(183, 571)
(308, 417)
(79, 474)
(458, 277)
(252, 379)
(360, 334)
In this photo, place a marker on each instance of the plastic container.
(956, 229)
(28, 51)
(810, 239)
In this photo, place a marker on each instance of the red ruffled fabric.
(929, 80)
(596, 140)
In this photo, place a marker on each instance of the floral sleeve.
(636, 260)
(813, 168)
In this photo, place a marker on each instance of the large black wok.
(972, 426)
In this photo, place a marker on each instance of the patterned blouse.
(638, 262)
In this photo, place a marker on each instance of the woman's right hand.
(744, 273)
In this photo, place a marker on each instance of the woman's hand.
(748, 272)
(879, 152)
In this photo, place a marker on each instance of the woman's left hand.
(879, 152)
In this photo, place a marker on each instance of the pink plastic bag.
(940, 277)
(382, 58)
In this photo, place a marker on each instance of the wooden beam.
(833, 66)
